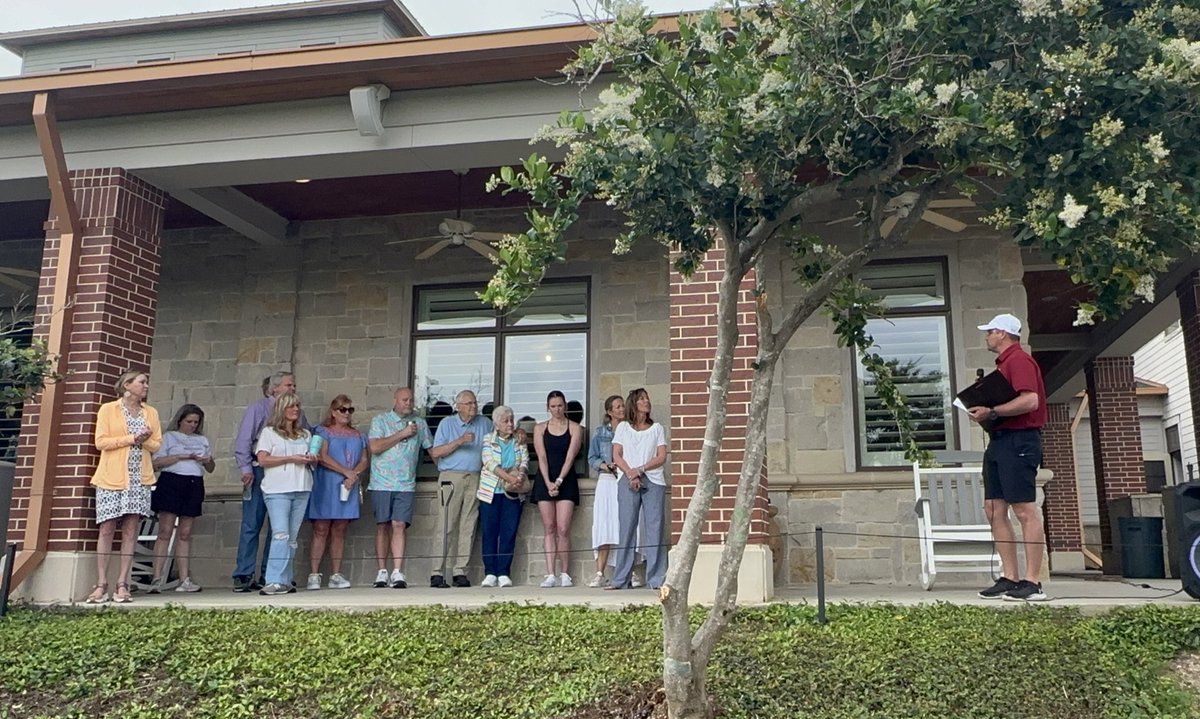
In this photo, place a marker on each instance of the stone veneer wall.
(811, 457)
(337, 308)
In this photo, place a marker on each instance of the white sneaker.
(381, 578)
(187, 585)
(635, 582)
(505, 581)
(314, 582)
(564, 580)
(337, 581)
(488, 581)
(399, 581)
(549, 581)
(598, 581)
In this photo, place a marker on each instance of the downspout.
(45, 449)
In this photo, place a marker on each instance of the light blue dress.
(325, 502)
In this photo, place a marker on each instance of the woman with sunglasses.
(334, 501)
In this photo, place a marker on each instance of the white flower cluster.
(1030, 9)
(1145, 288)
(781, 45)
(1084, 317)
(1105, 130)
(616, 104)
(1072, 212)
(715, 176)
(1184, 51)
(1156, 148)
(908, 22)
(772, 81)
(945, 92)
(627, 10)
(710, 43)
(1077, 7)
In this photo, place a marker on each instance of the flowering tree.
(1072, 121)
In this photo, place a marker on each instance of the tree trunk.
(684, 679)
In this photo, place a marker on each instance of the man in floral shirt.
(396, 438)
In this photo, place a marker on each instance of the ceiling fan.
(899, 206)
(457, 232)
(10, 277)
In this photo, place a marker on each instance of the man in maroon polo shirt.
(1011, 462)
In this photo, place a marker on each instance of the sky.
(438, 17)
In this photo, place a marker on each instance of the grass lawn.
(522, 661)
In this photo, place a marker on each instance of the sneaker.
(489, 581)
(549, 581)
(314, 582)
(1026, 591)
(398, 580)
(241, 584)
(564, 580)
(156, 586)
(635, 583)
(460, 580)
(337, 581)
(437, 581)
(1003, 586)
(381, 578)
(273, 589)
(504, 581)
(598, 581)
(259, 583)
(187, 585)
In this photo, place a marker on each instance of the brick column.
(1061, 508)
(1116, 442)
(693, 325)
(113, 325)
(1188, 294)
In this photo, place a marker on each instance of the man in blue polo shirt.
(458, 451)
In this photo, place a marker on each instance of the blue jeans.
(286, 510)
(648, 505)
(254, 513)
(500, 521)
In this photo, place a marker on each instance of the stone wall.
(337, 308)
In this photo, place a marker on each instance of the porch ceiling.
(319, 199)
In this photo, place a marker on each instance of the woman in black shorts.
(556, 490)
(182, 460)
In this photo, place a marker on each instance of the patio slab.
(1091, 595)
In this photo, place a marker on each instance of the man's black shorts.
(1010, 465)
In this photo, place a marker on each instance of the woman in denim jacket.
(605, 528)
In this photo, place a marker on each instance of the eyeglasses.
(344, 410)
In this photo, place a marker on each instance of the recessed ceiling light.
(303, 180)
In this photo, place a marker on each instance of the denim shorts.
(392, 506)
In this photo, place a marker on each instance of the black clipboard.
(990, 390)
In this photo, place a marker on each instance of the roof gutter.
(45, 454)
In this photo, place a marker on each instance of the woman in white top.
(639, 448)
(181, 461)
(283, 453)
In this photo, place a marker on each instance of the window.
(513, 359)
(914, 337)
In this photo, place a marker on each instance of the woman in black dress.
(556, 490)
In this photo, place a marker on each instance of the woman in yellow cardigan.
(127, 433)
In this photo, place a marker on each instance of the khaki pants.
(462, 514)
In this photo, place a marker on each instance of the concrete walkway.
(1091, 595)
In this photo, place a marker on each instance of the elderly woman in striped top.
(503, 484)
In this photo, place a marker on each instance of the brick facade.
(693, 325)
(1061, 508)
(1188, 294)
(112, 326)
(1116, 440)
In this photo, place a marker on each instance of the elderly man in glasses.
(458, 451)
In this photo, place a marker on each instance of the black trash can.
(1141, 547)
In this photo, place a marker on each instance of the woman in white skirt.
(605, 525)
(127, 434)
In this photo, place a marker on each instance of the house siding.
(207, 42)
(1162, 360)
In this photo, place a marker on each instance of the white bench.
(954, 532)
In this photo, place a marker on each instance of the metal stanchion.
(10, 556)
(820, 541)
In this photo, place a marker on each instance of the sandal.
(99, 594)
(122, 595)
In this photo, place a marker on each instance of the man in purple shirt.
(254, 509)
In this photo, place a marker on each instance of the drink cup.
(247, 492)
(314, 444)
(344, 493)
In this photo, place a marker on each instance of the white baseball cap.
(1006, 322)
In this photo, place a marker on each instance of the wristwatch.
(992, 415)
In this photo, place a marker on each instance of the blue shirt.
(468, 457)
(600, 450)
(395, 470)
